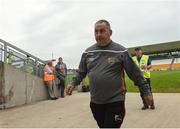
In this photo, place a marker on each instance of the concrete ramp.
(74, 112)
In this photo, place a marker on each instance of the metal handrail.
(20, 50)
(24, 56)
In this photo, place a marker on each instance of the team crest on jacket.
(111, 60)
(89, 60)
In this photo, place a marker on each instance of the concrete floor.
(73, 111)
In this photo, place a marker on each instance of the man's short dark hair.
(104, 21)
(137, 49)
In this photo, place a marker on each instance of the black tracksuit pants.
(109, 115)
(61, 87)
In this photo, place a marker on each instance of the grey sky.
(66, 27)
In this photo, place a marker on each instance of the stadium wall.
(22, 88)
(174, 66)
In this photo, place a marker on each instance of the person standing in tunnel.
(61, 73)
(49, 79)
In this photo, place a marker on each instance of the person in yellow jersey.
(144, 64)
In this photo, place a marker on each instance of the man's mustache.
(99, 38)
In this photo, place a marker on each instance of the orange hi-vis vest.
(48, 77)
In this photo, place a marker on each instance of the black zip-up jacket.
(61, 73)
(105, 67)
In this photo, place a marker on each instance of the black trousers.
(61, 87)
(141, 93)
(109, 115)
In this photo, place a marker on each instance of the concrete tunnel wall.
(22, 88)
(1, 84)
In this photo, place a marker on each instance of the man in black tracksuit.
(104, 63)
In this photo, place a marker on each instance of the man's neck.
(139, 56)
(105, 44)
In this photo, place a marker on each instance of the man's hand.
(69, 89)
(144, 67)
(149, 100)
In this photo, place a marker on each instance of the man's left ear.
(111, 32)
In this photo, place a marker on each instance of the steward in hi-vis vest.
(143, 61)
(144, 64)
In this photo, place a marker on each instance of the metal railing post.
(5, 53)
